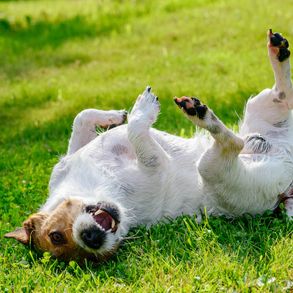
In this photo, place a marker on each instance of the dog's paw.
(199, 114)
(278, 46)
(192, 107)
(146, 107)
(115, 118)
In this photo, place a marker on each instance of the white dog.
(133, 174)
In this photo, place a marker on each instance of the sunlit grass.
(59, 57)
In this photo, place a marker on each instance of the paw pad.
(277, 40)
(191, 106)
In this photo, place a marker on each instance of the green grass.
(59, 57)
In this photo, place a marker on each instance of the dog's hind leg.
(85, 123)
(279, 57)
(221, 157)
(150, 155)
(223, 153)
(271, 107)
(238, 183)
(226, 146)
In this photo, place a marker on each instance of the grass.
(59, 57)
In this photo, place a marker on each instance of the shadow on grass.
(41, 33)
(24, 45)
(28, 41)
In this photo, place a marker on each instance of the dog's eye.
(57, 238)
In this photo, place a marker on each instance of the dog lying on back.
(133, 174)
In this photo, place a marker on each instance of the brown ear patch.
(20, 234)
(24, 234)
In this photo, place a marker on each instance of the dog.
(133, 174)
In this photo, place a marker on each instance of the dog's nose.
(93, 237)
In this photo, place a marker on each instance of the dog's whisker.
(131, 237)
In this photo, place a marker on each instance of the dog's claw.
(148, 89)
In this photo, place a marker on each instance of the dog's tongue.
(104, 220)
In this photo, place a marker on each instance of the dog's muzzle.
(107, 219)
(93, 237)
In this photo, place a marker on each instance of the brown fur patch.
(60, 220)
(38, 227)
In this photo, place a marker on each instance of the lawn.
(59, 57)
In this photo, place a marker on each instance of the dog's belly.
(113, 147)
(110, 162)
(115, 142)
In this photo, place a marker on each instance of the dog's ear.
(24, 234)
(20, 234)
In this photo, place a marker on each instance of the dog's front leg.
(150, 155)
(85, 123)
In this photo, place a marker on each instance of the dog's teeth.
(98, 212)
(113, 224)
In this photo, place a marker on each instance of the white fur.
(150, 174)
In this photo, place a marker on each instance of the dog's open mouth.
(104, 215)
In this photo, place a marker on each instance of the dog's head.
(74, 230)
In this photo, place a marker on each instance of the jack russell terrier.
(133, 174)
